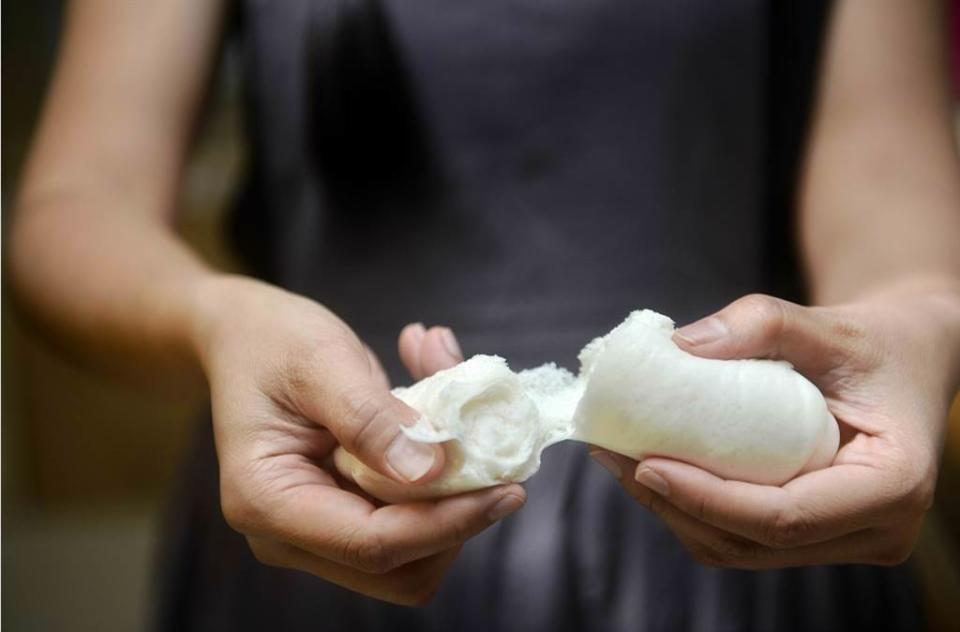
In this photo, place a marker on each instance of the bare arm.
(880, 226)
(93, 257)
(880, 197)
(99, 269)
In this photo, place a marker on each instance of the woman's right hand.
(290, 382)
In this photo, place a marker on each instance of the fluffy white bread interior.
(495, 422)
(637, 394)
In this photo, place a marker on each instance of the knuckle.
(245, 493)
(725, 553)
(240, 514)
(895, 554)
(364, 411)
(787, 527)
(897, 545)
(915, 488)
(922, 493)
(458, 531)
(264, 553)
(917, 501)
(656, 505)
(735, 551)
(706, 555)
(767, 310)
(701, 508)
(638, 492)
(300, 368)
(925, 497)
(298, 376)
(367, 552)
(420, 595)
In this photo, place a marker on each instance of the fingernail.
(702, 332)
(504, 507)
(450, 343)
(608, 462)
(410, 459)
(649, 478)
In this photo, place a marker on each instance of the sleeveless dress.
(526, 172)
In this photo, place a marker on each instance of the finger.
(702, 540)
(440, 350)
(815, 507)
(379, 486)
(713, 546)
(376, 369)
(344, 528)
(716, 548)
(411, 531)
(759, 326)
(413, 584)
(706, 543)
(860, 547)
(614, 463)
(409, 344)
(342, 393)
(347, 483)
(424, 352)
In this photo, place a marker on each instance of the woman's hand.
(289, 383)
(888, 367)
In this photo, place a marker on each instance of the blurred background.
(87, 463)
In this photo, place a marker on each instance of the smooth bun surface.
(752, 420)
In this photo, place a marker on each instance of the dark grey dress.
(527, 172)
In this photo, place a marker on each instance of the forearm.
(107, 284)
(872, 225)
(883, 226)
(880, 195)
(875, 216)
(91, 256)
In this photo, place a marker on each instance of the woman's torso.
(526, 172)
(585, 159)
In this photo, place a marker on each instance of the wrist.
(217, 304)
(937, 297)
(901, 286)
(929, 305)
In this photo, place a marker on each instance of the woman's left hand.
(888, 367)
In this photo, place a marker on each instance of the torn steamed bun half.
(751, 420)
(637, 394)
(493, 422)
(496, 423)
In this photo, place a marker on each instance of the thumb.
(760, 326)
(349, 399)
